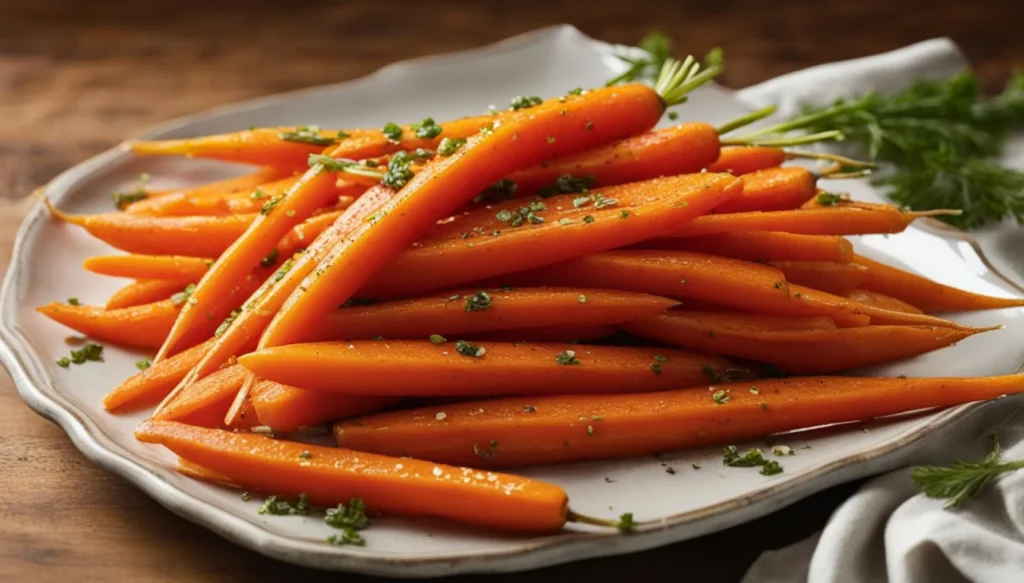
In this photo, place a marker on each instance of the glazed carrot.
(820, 351)
(576, 333)
(740, 160)
(142, 326)
(541, 430)
(303, 234)
(493, 247)
(182, 204)
(762, 246)
(882, 301)
(174, 267)
(926, 294)
(772, 189)
(679, 149)
(561, 126)
(206, 402)
(148, 387)
(265, 301)
(473, 311)
(198, 472)
(144, 291)
(262, 146)
(817, 302)
(450, 369)
(242, 183)
(284, 408)
(837, 220)
(331, 476)
(278, 216)
(835, 278)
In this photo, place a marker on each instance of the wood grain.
(77, 77)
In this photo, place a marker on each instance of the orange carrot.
(762, 246)
(472, 311)
(772, 189)
(740, 160)
(454, 369)
(305, 233)
(562, 126)
(799, 352)
(144, 291)
(148, 387)
(837, 220)
(331, 476)
(198, 472)
(540, 430)
(576, 333)
(818, 302)
(182, 204)
(835, 278)
(926, 294)
(882, 301)
(206, 402)
(242, 183)
(284, 408)
(681, 149)
(173, 267)
(279, 215)
(142, 326)
(265, 301)
(494, 247)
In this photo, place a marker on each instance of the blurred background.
(76, 77)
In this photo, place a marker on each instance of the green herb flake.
(124, 198)
(829, 199)
(673, 116)
(399, 171)
(426, 129)
(466, 349)
(246, 496)
(437, 339)
(144, 364)
(481, 300)
(64, 362)
(567, 184)
(392, 131)
(307, 135)
(623, 214)
(720, 397)
(567, 358)
(626, 523)
(524, 102)
(575, 91)
(257, 194)
(276, 506)
(587, 219)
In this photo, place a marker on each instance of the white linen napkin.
(887, 531)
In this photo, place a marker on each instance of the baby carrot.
(278, 216)
(882, 301)
(925, 293)
(284, 408)
(144, 291)
(206, 402)
(835, 278)
(473, 311)
(741, 160)
(541, 430)
(463, 369)
(331, 476)
(184, 203)
(762, 246)
(148, 387)
(559, 229)
(562, 126)
(242, 183)
(143, 326)
(772, 189)
(663, 152)
(575, 333)
(820, 351)
(165, 267)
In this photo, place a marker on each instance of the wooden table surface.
(77, 77)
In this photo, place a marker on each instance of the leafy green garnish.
(466, 349)
(720, 397)
(449, 146)
(962, 480)
(399, 171)
(124, 198)
(939, 138)
(524, 102)
(752, 458)
(144, 364)
(626, 522)
(437, 339)
(481, 300)
(567, 358)
(307, 135)
(88, 353)
(392, 131)
(566, 184)
(74, 302)
(425, 129)
(280, 507)
(829, 199)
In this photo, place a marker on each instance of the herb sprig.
(962, 480)
(939, 136)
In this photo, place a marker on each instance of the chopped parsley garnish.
(184, 295)
(567, 358)
(392, 131)
(88, 353)
(280, 507)
(673, 116)
(270, 259)
(226, 323)
(829, 199)
(626, 523)
(659, 361)
(481, 300)
(720, 397)
(270, 204)
(524, 102)
(144, 364)
(349, 519)
(257, 194)
(575, 91)
(425, 129)
(343, 134)
(752, 458)
(124, 198)
(587, 219)
(449, 146)
(770, 468)
(623, 214)
(566, 184)
(422, 153)
(601, 202)
(523, 215)
(399, 171)
(74, 302)
(307, 135)
(437, 339)
(466, 349)
(566, 222)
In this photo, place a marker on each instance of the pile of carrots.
(554, 282)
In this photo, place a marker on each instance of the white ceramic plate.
(690, 502)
